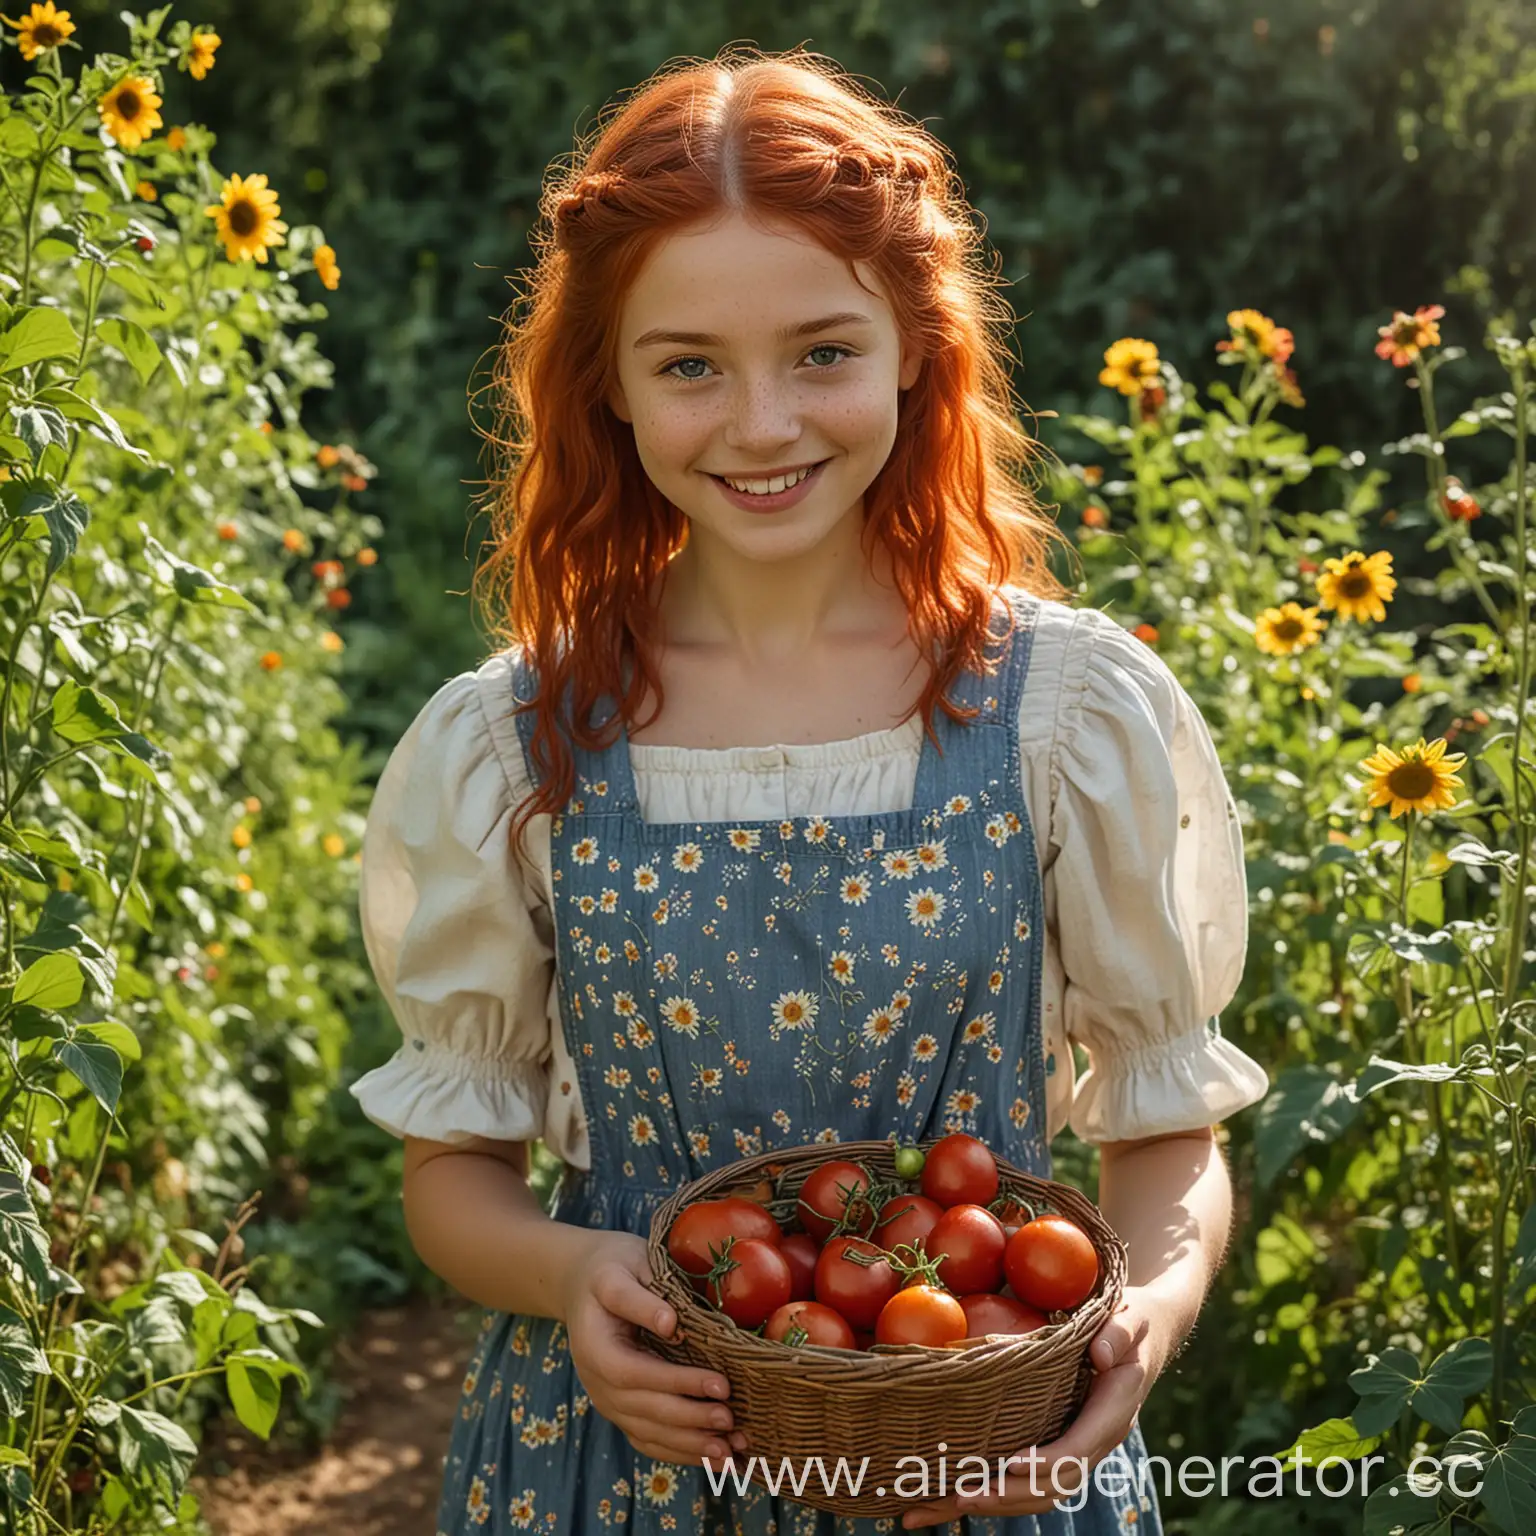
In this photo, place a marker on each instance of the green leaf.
(135, 343)
(39, 334)
(1399, 1508)
(116, 1034)
(1384, 1383)
(21, 1234)
(56, 981)
(83, 715)
(20, 1361)
(1306, 1105)
(16, 864)
(191, 582)
(98, 1067)
(1466, 1367)
(1509, 1485)
(65, 517)
(1332, 1438)
(155, 1452)
(254, 1392)
(40, 430)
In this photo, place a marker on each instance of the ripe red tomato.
(974, 1242)
(1051, 1264)
(906, 1219)
(856, 1286)
(800, 1251)
(825, 1195)
(989, 1313)
(701, 1231)
(755, 1286)
(821, 1325)
(960, 1171)
(921, 1314)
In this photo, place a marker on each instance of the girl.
(797, 807)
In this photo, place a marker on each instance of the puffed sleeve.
(1151, 896)
(449, 934)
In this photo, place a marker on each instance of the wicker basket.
(880, 1408)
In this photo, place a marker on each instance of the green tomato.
(909, 1162)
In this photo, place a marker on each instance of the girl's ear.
(618, 403)
(911, 365)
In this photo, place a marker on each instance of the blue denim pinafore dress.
(729, 988)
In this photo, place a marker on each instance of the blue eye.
(842, 352)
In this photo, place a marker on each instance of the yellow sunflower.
(1419, 778)
(247, 218)
(130, 110)
(1130, 365)
(1287, 629)
(199, 53)
(325, 266)
(41, 28)
(1359, 586)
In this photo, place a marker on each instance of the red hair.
(579, 535)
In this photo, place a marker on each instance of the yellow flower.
(252, 805)
(1420, 778)
(131, 110)
(1408, 335)
(1250, 328)
(41, 28)
(1130, 365)
(241, 837)
(243, 882)
(247, 218)
(176, 139)
(1287, 629)
(1359, 586)
(199, 54)
(325, 266)
(145, 192)
(331, 641)
(334, 844)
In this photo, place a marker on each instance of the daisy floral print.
(731, 988)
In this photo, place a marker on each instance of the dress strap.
(605, 780)
(996, 696)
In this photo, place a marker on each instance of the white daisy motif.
(744, 839)
(856, 890)
(609, 900)
(925, 1048)
(688, 858)
(661, 1484)
(997, 830)
(710, 1079)
(642, 1131)
(645, 878)
(880, 1026)
(963, 1102)
(794, 1010)
(958, 805)
(585, 852)
(932, 855)
(899, 865)
(978, 1028)
(816, 829)
(682, 1015)
(840, 963)
(925, 907)
(624, 1004)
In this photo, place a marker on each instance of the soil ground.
(400, 1373)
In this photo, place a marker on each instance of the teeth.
(768, 487)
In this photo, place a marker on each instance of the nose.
(763, 416)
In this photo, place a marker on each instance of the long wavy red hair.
(579, 535)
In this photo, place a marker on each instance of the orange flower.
(328, 571)
(354, 482)
(1408, 335)
(1480, 717)
(252, 805)
(325, 266)
(1093, 474)
(229, 531)
(326, 456)
(1460, 505)
(334, 844)
(270, 661)
(265, 428)
(1094, 516)
(176, 139)
(331, 641)
(145, 192)
(1146, 633)
(1151, 401)
(367, 557)
(293, 541)
(243, 882)
(339, 598)
(1412, 683)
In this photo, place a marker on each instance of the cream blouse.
(1140, 848)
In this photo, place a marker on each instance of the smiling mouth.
(768, 485)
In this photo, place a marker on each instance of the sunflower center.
(242, 217)
(46, 35)
(1288, 629)
(129, 105)
(1356, 583)
(1411, 781)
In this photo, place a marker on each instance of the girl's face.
(745, 352)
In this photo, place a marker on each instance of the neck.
(771, 612)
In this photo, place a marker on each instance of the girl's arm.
(475, 1222)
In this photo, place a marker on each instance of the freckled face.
(749, 392)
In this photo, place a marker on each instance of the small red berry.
(145, 242)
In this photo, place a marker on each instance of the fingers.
(1113, 1342)
(1105, 1418)
(659, 1408)
(620, 1292)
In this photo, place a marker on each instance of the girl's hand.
(1127, 1354)
(668, 1412)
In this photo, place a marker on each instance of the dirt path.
(378, 1475)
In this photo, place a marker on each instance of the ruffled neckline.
(892, 741)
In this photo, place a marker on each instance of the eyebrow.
(785, 332)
